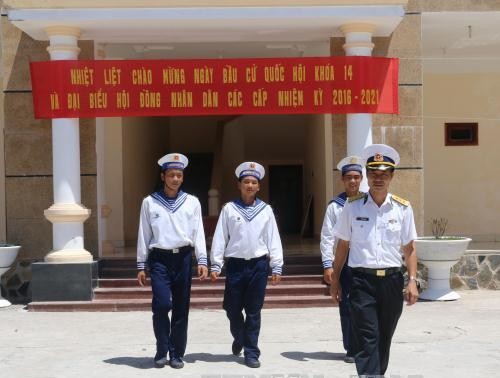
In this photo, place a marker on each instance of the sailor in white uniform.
(373, 229)
(351, 168)
(170, 228)
(247, 236)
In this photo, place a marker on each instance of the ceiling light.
(279, 46)
(145, 48)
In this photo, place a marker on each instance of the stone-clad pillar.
(358, 42)
(67, 213)
(68, 273)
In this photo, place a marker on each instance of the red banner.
(121, 88)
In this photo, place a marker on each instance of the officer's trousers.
(344, 309)
(376, 305)
(171, 284)
(246, 282)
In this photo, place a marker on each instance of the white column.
(66, 214)
(358, 38)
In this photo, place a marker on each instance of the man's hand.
(275, 279)
(327, 275)
(214, 275)
(202, 272)
(411, 264)
(411, 292)
(336, 292)
(141, 277)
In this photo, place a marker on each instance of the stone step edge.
(208, 287)
(284, 278)
(107, 305)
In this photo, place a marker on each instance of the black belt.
(186, 248)
(263, 257)
(383, 272)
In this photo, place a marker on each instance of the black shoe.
(349, 359)
(236, 348)
(176, 363)
(252, 362)
(161, 362)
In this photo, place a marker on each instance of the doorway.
(198, 177)
(285, 196)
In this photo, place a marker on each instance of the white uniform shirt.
(169, 225)
(328, 242)
(246, 232)
(376, 234)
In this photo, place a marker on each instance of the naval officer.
(170, 229)
(373, 229)
(351, 169)
(247, 236)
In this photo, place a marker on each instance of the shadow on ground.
(209, 357)
(302, 356)
(135, 362)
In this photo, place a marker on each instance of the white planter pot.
(7, 256)
(439, 255)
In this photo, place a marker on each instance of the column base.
(63, 282)
(69, 256)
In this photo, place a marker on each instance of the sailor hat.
(173, 161)
(250, 168)
(380, 157)
(350, 163)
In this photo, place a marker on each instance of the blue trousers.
(171, 284)
(376, 305)
(246, 282)
(345, 311)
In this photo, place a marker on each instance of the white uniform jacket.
(376, 234)
(246, 232)
(328, 242)
(170, 223)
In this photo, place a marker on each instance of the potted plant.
(8, 253)
(439, 253)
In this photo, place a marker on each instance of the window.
(460, 134)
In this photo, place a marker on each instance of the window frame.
(472, 127)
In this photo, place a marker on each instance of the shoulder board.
(400, 200)
(356, 197)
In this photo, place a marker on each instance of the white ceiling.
(210, 32)
(451, 41)
(218, 24)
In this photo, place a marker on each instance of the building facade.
(107, 165)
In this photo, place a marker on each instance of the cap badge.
(252, 165)
(176, 157)
(378, 157)
(353, 160)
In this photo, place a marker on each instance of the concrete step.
(110, 305)
(209, 290)
(126, 267)
(131, 272)
(285, 280)
(124, 294)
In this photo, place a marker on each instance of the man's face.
(173, 178)
(378, 180)
(248, 186)
(352, 180)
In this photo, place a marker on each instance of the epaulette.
(400, 200)
(356, 197)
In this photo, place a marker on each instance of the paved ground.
(452, 339)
